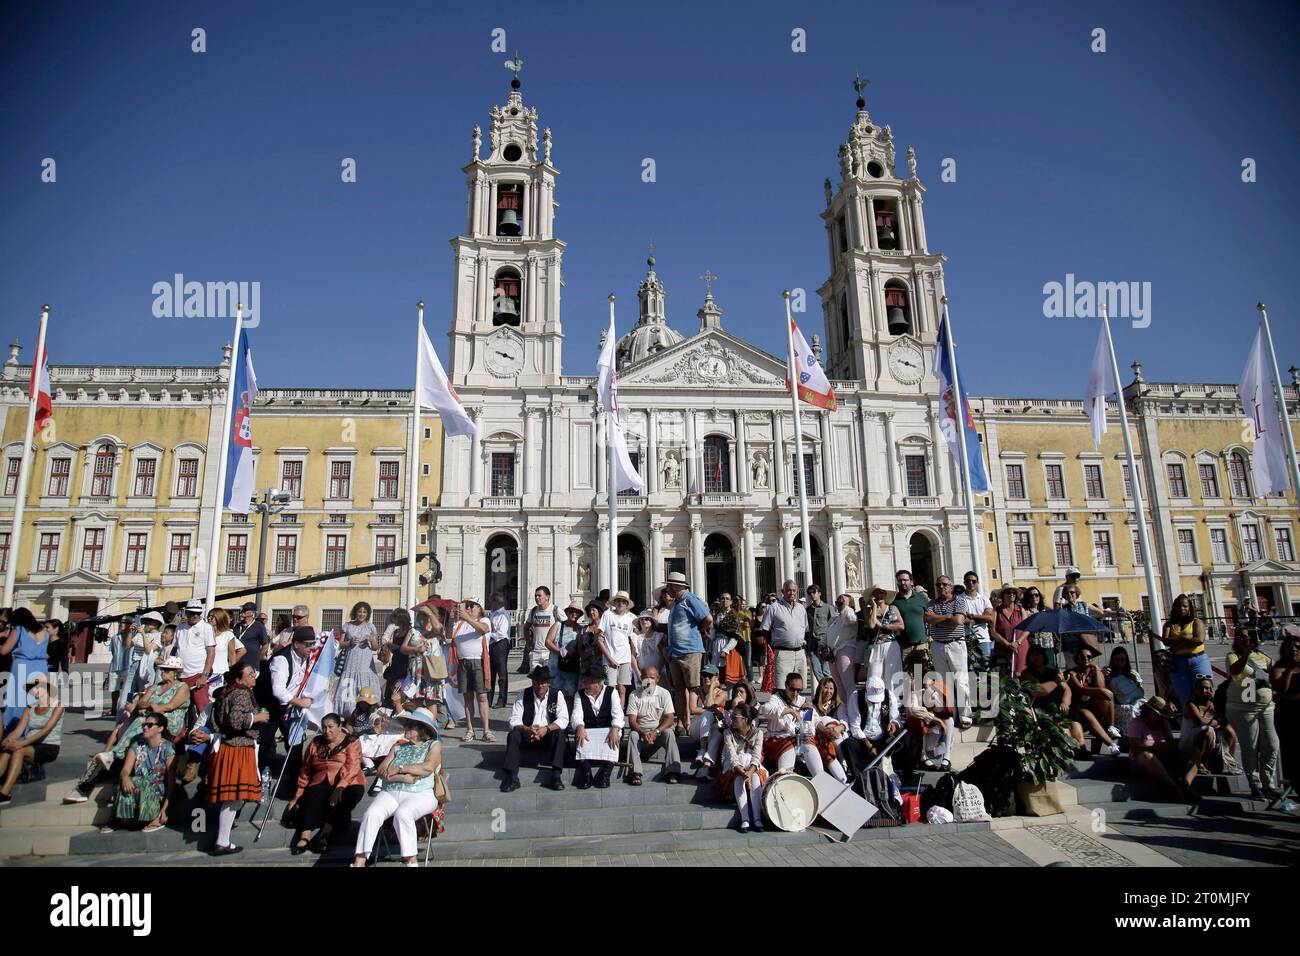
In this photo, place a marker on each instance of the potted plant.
(1042, 740)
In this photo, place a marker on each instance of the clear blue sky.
(225, 166)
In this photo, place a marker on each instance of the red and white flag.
(814, 387)
(40, 387)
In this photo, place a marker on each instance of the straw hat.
(367, 696)
(172, 663)
(890, 593)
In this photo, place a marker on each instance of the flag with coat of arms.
(813, 385)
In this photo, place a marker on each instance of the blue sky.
(1122, 166)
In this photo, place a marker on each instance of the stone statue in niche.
(760, 471)
(852, 575)
(584, 577)
(672, 471)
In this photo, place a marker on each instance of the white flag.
(1101, 382)
(435, 391)
(626, 477)
(1257, 400)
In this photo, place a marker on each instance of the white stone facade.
(708, 416)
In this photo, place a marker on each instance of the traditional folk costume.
(597, 715)
(738, 754)
(787, 741)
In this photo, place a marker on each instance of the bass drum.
(789, 801)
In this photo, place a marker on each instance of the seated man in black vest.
(872, 715)
(537, 721)
(599, 722)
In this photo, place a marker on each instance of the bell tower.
(881, 302)
(506, 304)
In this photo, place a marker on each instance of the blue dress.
(29, 659)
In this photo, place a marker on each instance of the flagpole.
(1293, 473)
(413, 469)
(611, 422)
(1138, 508)
(800, 483)
(223, 459)
(959, 422)
(24, 469)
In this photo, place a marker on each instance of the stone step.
(27, 815)
(38, 841)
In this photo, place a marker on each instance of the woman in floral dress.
(145, 780)
(356, 669)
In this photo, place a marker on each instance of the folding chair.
(383, 848)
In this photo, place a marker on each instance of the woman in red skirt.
(743, 776)
(232, 769)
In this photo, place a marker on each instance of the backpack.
(941, 794)
(874, 786)
(968, 804)
(994, 772)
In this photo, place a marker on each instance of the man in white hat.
(615, 642)
(196, 646)
(873, 718)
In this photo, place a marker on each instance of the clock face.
(906, 363)
(505, 354)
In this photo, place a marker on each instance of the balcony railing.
(718, 499)
(503, 504)
(814, 501)
(630, 501)
(914, 502)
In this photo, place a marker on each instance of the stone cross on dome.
(709, 278)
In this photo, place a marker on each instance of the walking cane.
(275, 788)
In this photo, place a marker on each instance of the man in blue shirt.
(688, 622)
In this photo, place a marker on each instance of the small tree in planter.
(1042, 740)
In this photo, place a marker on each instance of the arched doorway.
(631, 569)
(501, 569)
(922, 555)
(719, 567)
(818, 565)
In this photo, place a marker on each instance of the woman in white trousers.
(408, 773)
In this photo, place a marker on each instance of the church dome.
(651, 334)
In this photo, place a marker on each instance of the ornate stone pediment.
(712, 359)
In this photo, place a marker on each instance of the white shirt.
(646, 647)
(286, 676)
(539, 710)
(500, 621)
(469, 642)
(978, 604)
(778, 725)
(617, 717)
(874, 722)
(192, 643)
(617, 629)
(647, 707)
(539, 625)
(842, 635)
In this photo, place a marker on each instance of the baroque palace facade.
(118, 496)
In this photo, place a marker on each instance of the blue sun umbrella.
(1061, 621)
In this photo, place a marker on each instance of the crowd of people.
(214, 699)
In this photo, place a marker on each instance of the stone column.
(942, 459)
(656, 569)
(559, 565)
(836, 584)
(778, 456)
(697, 557)
(475, 462)
(891, 458)
(602, 451)
(871, 224)
(526, 480)
(548, 454)
(919, 221)
(601, 571)
(742, 455)
(824, 425)
(747, 575)
(652, 450)
(693, 483)
(787, 551)
(865, 419)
